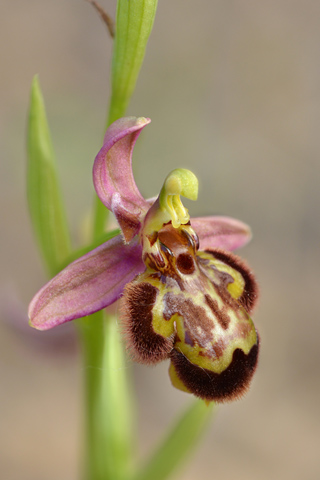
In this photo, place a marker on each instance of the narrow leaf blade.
(183, 437)
(43, 192)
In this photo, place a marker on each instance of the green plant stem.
(107, 454)
(92, 343)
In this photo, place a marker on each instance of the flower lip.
(231, 384)
(193, 307)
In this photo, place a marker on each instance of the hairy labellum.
(193, 307)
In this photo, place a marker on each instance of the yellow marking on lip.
(236, 287)
(230, 341)
(201, 336)
(175, 380)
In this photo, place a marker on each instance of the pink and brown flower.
(183, 295)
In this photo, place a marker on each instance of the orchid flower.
(183, 295)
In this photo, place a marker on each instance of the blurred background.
(232, 89)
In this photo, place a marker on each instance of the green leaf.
(133, 27)
(44, 199)
(177, 445)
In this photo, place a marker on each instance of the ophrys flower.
(184, 296)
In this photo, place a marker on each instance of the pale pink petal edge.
(221, 232)
(87, 285)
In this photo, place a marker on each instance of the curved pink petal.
(87, 285)
(221, 232)
(113, 178)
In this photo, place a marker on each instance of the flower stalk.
(108, 428)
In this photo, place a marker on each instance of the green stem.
(108, 425)
(92, 341)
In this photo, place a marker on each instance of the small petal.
(221, 232)
(113, 178)
(87, 285)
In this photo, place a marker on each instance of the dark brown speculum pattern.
(193, 307)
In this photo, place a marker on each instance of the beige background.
(232, 88)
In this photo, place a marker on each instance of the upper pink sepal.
(113, 178)
(87, 285)
(221, 232)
